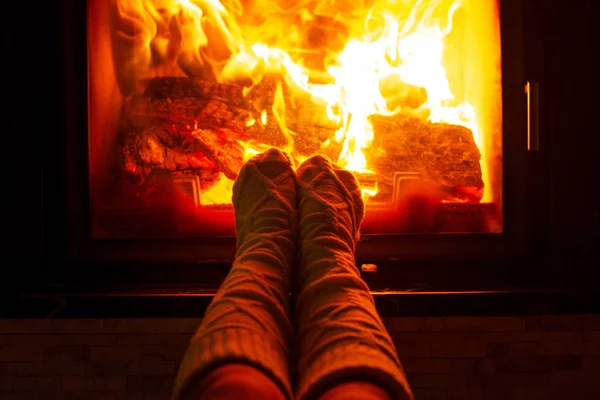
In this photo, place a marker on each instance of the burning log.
(187, 113)
(172, 126)
(188, 103)
(312, 139)
(169, 102)
(445, 154)
(204, 153)
(309, 110)
(171, 87)
(260, 97)
(180, 126)
(218, 147)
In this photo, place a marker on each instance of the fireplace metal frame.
(70, 243)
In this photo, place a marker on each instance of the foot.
(340, 335)
(330, 202)
(264, 200)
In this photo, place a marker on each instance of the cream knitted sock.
(341, 336)
(248, 322)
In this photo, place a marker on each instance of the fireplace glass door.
(407, 94)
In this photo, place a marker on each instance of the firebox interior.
(406, 94)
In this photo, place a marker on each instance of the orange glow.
(345, 62)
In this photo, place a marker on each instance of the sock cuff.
(353, 362)
(233, 345)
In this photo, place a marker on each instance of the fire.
(218, 193)
(391, 60)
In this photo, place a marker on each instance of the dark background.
(561, 54)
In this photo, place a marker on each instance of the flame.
(252, 148)
(367, 192)
(388, 47)
(220, 193)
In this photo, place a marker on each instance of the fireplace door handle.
(533, 116)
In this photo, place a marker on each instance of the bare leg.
(248, 321)
(341, 337)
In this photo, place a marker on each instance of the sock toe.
(264, 194)
(273, 163)
(312, 167)
(321, 179)
(262, 174)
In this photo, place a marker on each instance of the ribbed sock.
(340, 334)
(248, 320)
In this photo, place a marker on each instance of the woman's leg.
(235, 382)
(248, 320)
(342, 340)
(356, 390)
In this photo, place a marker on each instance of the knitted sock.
(341, 336)
(248, 322)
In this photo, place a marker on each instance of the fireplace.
(423, 100)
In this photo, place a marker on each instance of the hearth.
(423, 100)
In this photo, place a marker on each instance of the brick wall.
(542, 357)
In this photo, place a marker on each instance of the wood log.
(177, 87)
(218, 147)
(185, 113)
(312, 139)
(303, 116)
(261, 96)
(188, 113)
(204, 153)
(445, 154)
(185, 103)
(312, 111)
